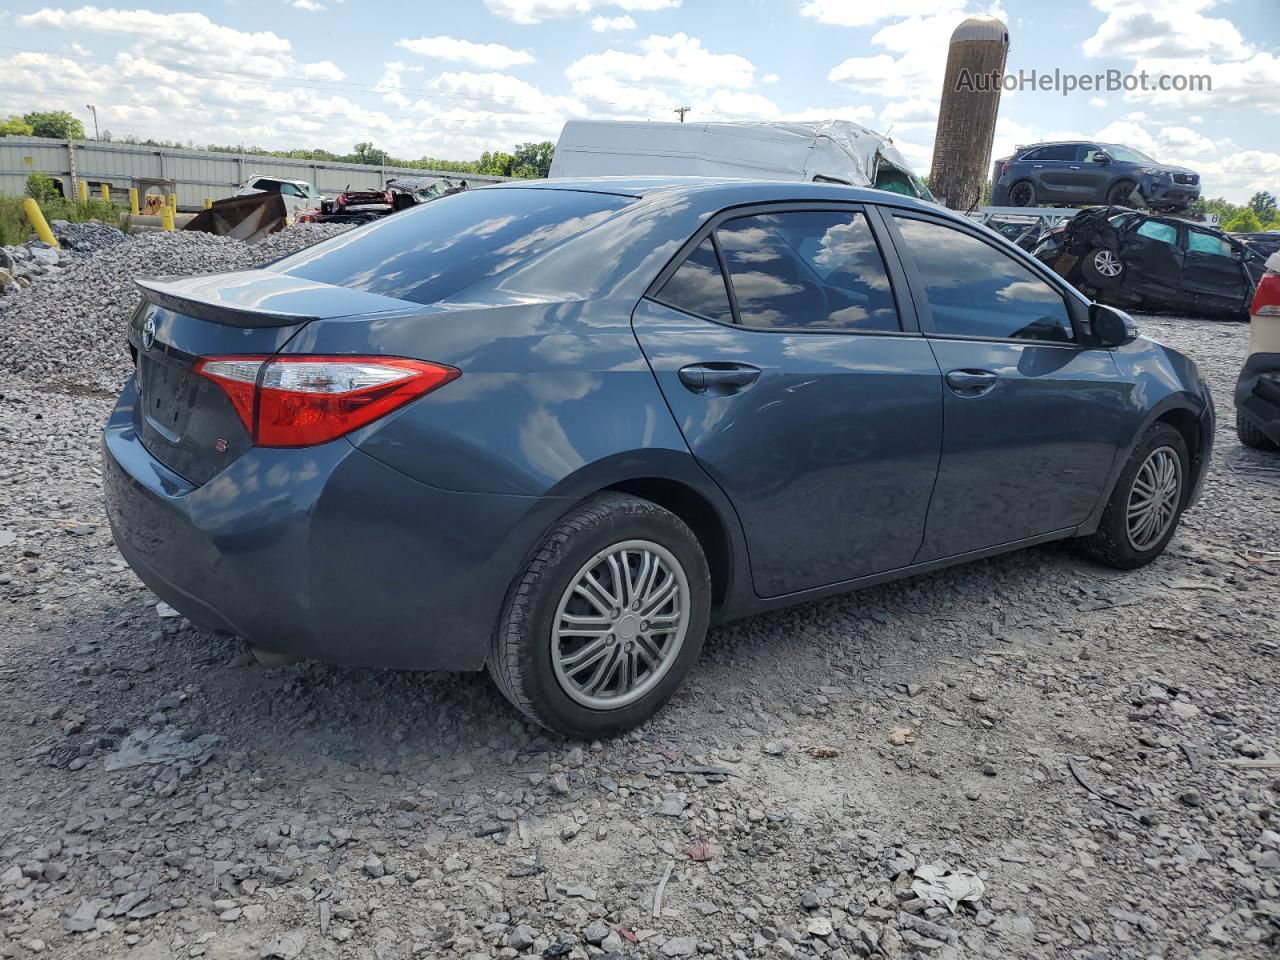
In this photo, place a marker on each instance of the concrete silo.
(967, 116)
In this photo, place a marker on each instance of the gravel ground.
(1101, 749)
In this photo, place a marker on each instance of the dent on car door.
(1033, 419)
(804, 399)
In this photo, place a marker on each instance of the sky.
(452, 80)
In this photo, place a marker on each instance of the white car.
(299, 196)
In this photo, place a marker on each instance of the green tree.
(1263, 203)
(533, 160)
(42, 187)
(58, 124)
(368, 153)
(15, 127)
(1246, 221)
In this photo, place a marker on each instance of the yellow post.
(208, 202)
(84, 192)
(106, 193)
(36, 217)
(173, 201)
(133, 201)
(166, 217)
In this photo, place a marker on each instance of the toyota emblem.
(149, 333)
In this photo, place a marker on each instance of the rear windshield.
(432, 252)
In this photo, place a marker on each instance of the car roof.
(715, 192)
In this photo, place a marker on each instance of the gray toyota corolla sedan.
(557, 429)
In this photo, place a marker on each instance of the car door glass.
(1060, 152)
(698, 286)
(816, 270)
(1198, 242)
(1088, 153)
(975, 290)
(1034, 155)
(1155, 230)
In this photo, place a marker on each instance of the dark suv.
(1080, 173)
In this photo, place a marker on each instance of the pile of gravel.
(87, 237)
(68, 326)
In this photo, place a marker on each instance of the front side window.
(1198, 242)
(1160, 232)
(268, 186)
(975, 290)
(698, 286)
(815, 270)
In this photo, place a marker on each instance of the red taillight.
(387, 197)
(299, 401)
(1266, 302)
(1004, 168)
(342, 200)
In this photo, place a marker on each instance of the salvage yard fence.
(195, 174)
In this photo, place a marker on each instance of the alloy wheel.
(1021, 195)
(1154, 498)
(620, 624)
(1107, 263)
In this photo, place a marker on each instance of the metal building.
(196, 174)
(967, 115)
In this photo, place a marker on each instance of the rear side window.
(431, 252)
(698, 286)
(1198, 242)
(975, 290)
(808, 269)
(1155, 230)
(268, 186)
(1062, 151)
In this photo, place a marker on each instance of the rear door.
(1212, 274)
(1052, 166)
(803, 388)
(1032, 417)
(1088, 177)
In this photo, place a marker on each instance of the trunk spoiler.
(262, 298)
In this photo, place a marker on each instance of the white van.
(834, 151)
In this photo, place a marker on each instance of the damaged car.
(1258, 389)
(1078, 172)
(1133, 259)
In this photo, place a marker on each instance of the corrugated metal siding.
(198, 173)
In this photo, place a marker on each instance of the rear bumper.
(1258, 393)
(322, 552)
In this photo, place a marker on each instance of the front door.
(805, 398)
(1153, 260)
(1032, 419)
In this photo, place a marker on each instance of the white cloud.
(850, 13)
(1252, 84)
(1136, 29)
(770, 78)
(323, 70)
(603, 24)
(1098, 102)
(311, 6)
(204, 42)
(493, 56)
(859, 114)
(678, 59)
(737, 105)
(535, 11)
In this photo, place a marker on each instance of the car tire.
(1251, 436)
(532, 660)
(1159, 463)
(1103, 268)
(1022, 194)
(1119, 192)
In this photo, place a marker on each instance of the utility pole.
(90, 106)
(682, 111)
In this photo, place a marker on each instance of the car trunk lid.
(185, 420)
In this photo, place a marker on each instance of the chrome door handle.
(971, 383)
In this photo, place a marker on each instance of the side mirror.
(1111, 327)
(1101, 158)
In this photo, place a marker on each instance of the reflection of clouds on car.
(1027, 291)
(849, 248)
